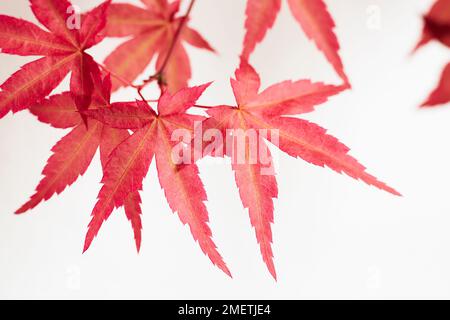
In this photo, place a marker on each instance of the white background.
(333, 237)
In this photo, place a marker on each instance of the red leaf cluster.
(131, 134)
(437, 27)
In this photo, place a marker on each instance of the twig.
(159, 75)
(202, 107)
(176, 36)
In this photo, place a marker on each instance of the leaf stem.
(159, 75)
(121, 79)
(202, 107)
(176, 36)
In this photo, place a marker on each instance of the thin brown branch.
(202, 107)
(159, 75)
(176, 36)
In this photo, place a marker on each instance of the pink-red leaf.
(441, 94)
(62, 49)
(153, 32)
(260, 115)
(437, 27)
(437, 24)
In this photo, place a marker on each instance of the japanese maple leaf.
(312, 16)
(440, 95)
(437, 24)
(73, 154)
(63, 51)
(270, 111)
(152, 32)
(130, 161)
(437, 27)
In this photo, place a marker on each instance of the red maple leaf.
(312, 16)
(152, 32)
(63, 51)
(130, 161)
(96, 123)
(437, 27)
(441, 94)
(73, 154)
(437, 24)
(270, 111)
